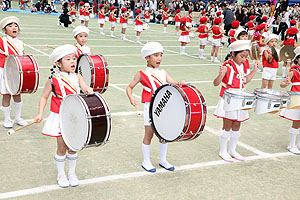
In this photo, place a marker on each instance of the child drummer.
(81, 34)
(234, 73)
(151, 78)
(61, 83)
(293, 78)
(10, 45)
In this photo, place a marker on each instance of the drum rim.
(249, 94)
(282, 94)
(5, 76)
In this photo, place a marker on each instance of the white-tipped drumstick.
(12, 131)
(50, 47)
(137, 110)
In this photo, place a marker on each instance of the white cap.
(61, 51)
(80, 29)
(238, 31)
(270, 37)
(240, 45)
(151, 48)
(87, 4)
(297, 51)
(7, 20)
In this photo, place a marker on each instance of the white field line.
(136, 55)
(109, 46)
(49, 188)
(121, 89)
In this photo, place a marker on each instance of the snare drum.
(236, 99)
(295, 100)
(21, 74)
(267, 103)
(84, 121)
(284, 96)
(177, 112)
(94, 70)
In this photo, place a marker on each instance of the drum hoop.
(5, 76)
(20, 69)
(294, 93)
(105, 68)
(272, 100)
(37, 76)
(108, 117)
(239, 96)
(92, 68)
(232, 94)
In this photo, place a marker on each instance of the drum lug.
(228, 99)
(244, 101)
(269, 104)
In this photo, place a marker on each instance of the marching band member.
(235, 25)
(123, 22)
(234, 73)
(113, 21)
(177, 21)
(166, 19)
(73, 14)
(81, 34)
(216, 41)
(184, 38)
(138, 25)
(203, 36)
(61, 83)
(101, 20)
(151, 78)
(258, 37)
(10, 45)
(270, 65)
(266, 28)
(189, 19)
(86, 14)
(251, 26)
(147, 16)
(293, 78)
(81, 11)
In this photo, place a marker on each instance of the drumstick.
(137, 110)
(12, 131)
(289, 61)
(51, 47)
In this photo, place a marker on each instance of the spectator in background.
(228, 17)
(153, 9)
(38, 6)
(52, 7)
(171, 6)
(77, 4)
(240, 15)
(185, 5)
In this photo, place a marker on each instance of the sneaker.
(20, 122)
(226, 157)
(138, 42)
(236, 156)
(125, 38)
(212, 59)
(166, 165)
(73, 180)
(8, 124)
(294, 150)
(112, 36)
(102, 33)
(216, 60)
(62, 181)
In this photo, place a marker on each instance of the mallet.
(137, 110)
(12, 131)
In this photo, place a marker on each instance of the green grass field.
(113, 171)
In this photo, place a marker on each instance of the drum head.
(84, 68)
(167, 113)
(239, 92)
(11, 75)
(73, 122)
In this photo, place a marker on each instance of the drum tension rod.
(97, 116)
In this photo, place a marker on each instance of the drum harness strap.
(297, 70)
(151, 82)
(5, 45)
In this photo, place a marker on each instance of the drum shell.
(294, 101)
(27, 78)
(237, 102)
(266, 105)
(284, 96)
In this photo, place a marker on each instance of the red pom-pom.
(264, 18)
(123, 9)
(138, 11)
(111, 8)
(203, 12)
(218, 13)
(72, 3)
(101, 5)
(235, 24)
(293, 22)
(260, 27)
(81, 3)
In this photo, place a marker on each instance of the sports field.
(27, 166)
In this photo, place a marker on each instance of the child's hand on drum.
(38, 118)
(222, 70)
(90, 91)
(183, 82)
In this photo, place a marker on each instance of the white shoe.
(226, 157)
(216, 60)
(138, 42)
(102, 33)
(73, 180)
(72, 26)
(8, 124)
(183, 53)
(294, 150)
(62, 181)
(112, 36)
(237, 156)
(20, 122)
(125, 38)
(212, 59)
(165, 32)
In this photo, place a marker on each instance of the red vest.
(177, 17)
(189, 18)
(101, 14)
(201, 31)
(112, 17)
(265, 63)
(233, 77)
(73, 11)
(86, 12)
(147, 15)
(165, 16)
(296, 78)
(231, 34)
(257, 38)
(12, 50)
(138, 20)
(289, 41)
(216, 32)
(184, 32)
(81, 10)
(122, 18)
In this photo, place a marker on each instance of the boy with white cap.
(151, 78)
(10, 45)
(233, 74)
(81, 34)
(61, 83)
(293, 78)
(270, 65)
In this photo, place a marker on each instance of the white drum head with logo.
(11, 75)
(73, 122)
(168, 113)
(84, 68)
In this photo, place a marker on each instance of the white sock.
(293, 135)
(182, 49)
(6, 112)
(224, 135)
(283, 71)
(200, 52)
(72, 162)
(101, 30)
(165, 29)
(111, 33)
(233, 141)
(146, 153)
(163, 155)
(137, 38)
(18, 109)
(60, 164)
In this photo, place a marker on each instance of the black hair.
(295, 37)
(296, 60)
(182, 25)
(242, 33)
(11, 24)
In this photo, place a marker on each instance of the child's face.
(68, 63)
(298, 60)
(243, 37)
(241, 57)
(273, 42)
(154, 60)
(82, 38)
(12, 30)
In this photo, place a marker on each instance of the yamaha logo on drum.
(162, 103)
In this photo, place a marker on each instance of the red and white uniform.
(152, 78)
(112, 19)
(101, 15)
(64, 84)
(289, 40)
(177, 19)
(265, 33)
(257, 39)
(81, 50)
(123, 20)
(293, 114)
(269, 70)
(73, 13)
(8, 46)
(189, 20)
(165, 17)
(147, 16)
(184, 36)
(265, 63)
(251, 27)
(81, 11)
(138, 24)
(217, 35)
(234, 78)
(231, 35)
(203, 36)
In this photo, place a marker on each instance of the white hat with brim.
(240, 45)
(238, 31)
(151, 48)
(270, 37)
(80, 29)
(87, 4)
(297, 52)
(7, 20)
(61, 51)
